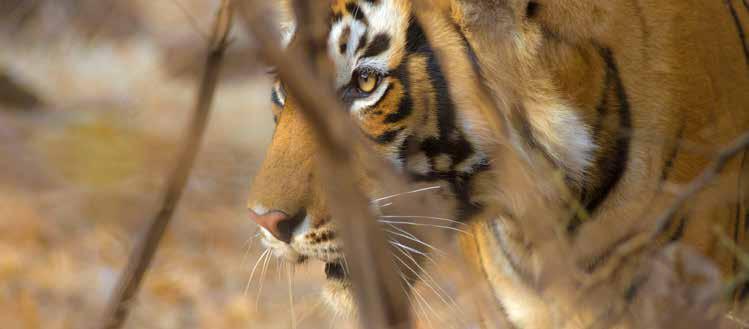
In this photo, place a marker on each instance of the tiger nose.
(278, 223)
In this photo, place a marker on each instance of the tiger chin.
(626, 99)
(337, 292)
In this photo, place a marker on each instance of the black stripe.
(343, 40)
(450, 140)
(602, 110)
(380, 43)
(603, 106)
(405, 107)
(483, 266)
(612, 168)
(740, 30)
(431, 146)
(474, 59)
(444, 104)
(416, 40)
(355, 11)
(406, 149)
(521, 271)
(387, 137)
(362, 42)
(531, 9)
(616, 167)
(335, 17)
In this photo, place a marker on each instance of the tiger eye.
(367, 82)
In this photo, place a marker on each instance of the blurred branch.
(142, 256)
(376, 284)
(497, 123)
(707, 176)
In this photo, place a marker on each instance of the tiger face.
(389, 80)
(604, 91)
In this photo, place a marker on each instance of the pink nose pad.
(276, 222)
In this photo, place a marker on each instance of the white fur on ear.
(563, 135)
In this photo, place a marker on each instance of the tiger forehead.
(366, 34)
(339, 8)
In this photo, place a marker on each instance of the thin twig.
(707, 176)
(143, 254)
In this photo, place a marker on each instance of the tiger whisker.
(252, 273)
(311, 310)
(278, 268)
(249, 243)
(439, 292)
(420, 312)
(450, 302)
(424, 224)
(406, 193)
(411, 237)
(262, 280)
(413, 250)
(424, 301)
(427, 217)
(289, 273)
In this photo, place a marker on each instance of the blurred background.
(94, 99)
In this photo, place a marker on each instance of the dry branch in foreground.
(708, 175)
(141, 257)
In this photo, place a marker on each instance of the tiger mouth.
(335, 271)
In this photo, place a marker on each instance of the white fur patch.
(560, 131)
(383, 18)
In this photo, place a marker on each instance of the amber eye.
(367, 82)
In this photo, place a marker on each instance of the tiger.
(630, 100)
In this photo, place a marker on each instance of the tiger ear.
(571, 19)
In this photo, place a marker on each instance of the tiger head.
(390, 81)
(409, 98)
